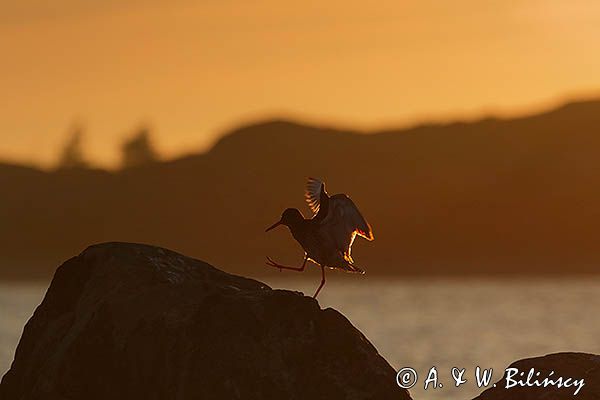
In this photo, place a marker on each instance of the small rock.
(576, 366)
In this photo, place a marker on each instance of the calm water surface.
(422, 323)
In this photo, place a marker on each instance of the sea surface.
(422, 323)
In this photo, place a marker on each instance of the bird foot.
(271, 263)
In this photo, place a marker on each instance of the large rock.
(576, 366)
(126, 321)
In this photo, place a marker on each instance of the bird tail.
(353, 269)
(347, 265)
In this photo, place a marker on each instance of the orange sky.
(192, 69)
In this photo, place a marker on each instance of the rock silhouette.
(567, 365)
(129, 321)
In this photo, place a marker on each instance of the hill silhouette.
(495, 196)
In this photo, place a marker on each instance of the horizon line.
(441, 119)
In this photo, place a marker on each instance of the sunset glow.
(195, 69)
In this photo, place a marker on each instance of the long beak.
(275, 225)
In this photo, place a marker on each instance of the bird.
(327, 236)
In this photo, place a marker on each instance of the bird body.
(328, 236)
(315, 242)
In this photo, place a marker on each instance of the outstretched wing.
(314, 188)
(339, 218)
(345, 216)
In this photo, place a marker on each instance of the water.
(17, 303)
(423, 323)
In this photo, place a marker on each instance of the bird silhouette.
(327, 237)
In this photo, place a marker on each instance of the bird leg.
(273, 264)
(322, 282)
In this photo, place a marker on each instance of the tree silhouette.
(72, 153)
(138, 150)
